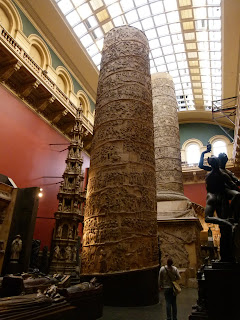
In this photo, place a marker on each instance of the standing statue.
(34, 258)
(235, 204)
(56, 252)
(220, 189)
(223, 159)
(60, 206)
(231, 190)
(59, 231)
(75, 206)
(74, 254)
(70, 232)
(16, 248)
(68, 253)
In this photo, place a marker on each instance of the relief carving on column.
(173, 244)
(166, 136)
(120, 227)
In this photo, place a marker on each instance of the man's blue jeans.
(171, 304)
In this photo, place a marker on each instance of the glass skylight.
(184, 39)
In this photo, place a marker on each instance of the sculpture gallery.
(120, 191)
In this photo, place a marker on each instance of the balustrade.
(39, 73)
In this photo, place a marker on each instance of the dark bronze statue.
(222, 187)
(223, 159)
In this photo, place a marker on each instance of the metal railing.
(186, 165)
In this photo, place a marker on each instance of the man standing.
(168, 274)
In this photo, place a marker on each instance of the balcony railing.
(189, 166)
(20, 54)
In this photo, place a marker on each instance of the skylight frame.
(187, 30)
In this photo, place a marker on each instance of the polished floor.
(185, 300)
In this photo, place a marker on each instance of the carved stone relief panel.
(173, 241)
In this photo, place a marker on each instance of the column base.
(128, 289)
(180, 240)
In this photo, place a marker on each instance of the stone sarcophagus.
(120, 224)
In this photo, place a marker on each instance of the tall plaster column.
(120, 223)
(178, 225)
(166, 139)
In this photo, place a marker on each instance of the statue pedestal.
(220, 290)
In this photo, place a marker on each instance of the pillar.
(178, 225)
(120, 224)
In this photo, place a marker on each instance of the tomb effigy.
(178, 225)
(120, 226)
(53, 301)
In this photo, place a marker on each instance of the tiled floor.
(185, 300)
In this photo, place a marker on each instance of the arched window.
(219, 146)
(84, 102)
(5, 20)
(9, 17)
(193, 153)
(64, 80)
(39, 52)
(35, 54)
(61, 83)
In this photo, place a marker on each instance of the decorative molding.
(24, 77)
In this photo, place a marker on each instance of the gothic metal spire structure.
(70, 208)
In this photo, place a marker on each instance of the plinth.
(219, 293)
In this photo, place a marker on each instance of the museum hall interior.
(120, 159)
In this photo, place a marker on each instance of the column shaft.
(120, 225)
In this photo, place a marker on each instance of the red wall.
(196, 193)
(28, 159)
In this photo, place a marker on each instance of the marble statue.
(16, 248)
